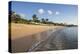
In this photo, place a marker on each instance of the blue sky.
(59, 13)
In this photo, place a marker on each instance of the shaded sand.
(24, 36)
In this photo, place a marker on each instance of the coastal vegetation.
(16, 18)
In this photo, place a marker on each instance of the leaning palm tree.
(15, 17)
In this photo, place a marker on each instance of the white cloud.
(57, 13)
(41, 11)
(50, 12)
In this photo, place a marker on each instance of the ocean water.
(66, 38)
(71, 35)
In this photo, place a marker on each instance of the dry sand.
(20, 30)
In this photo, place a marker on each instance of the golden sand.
(20, 30)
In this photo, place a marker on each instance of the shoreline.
(21, 42)
(21, 30)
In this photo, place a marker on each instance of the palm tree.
(46, 20)
(34, 17)
(14, 17)
(43, 20)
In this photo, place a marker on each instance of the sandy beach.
(20, 30)
(24, 36)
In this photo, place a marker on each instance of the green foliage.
(45, 21)
(16, 18)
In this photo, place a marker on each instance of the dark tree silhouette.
(15, 17)
(34, 17)
(43, 20)
(47, 20)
